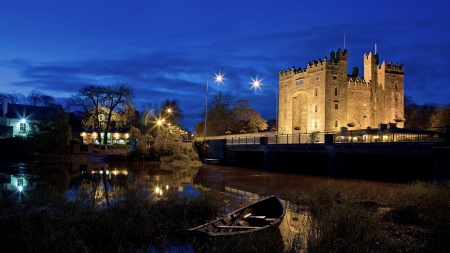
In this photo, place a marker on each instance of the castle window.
(335, 123)
(285, 84)
(334, 77)
(336, 105)
(315, 108)
(315, 92)
(335, 91)
(317, 78)
(315, 123)
(299, 81)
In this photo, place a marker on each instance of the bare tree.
(101, 104)
(13, 98)
(38, 98)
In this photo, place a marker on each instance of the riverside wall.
(394, 162)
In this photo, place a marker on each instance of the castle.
(324, 97)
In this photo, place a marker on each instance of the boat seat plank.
(239, 218)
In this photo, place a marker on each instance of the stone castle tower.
(324, 97)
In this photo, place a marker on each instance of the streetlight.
(217, 79)
(306, 129)
(350, 124)
(256, 84)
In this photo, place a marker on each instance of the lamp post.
(217, 79)
(306, 129)
(256, 84)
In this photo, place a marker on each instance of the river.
(242, 185)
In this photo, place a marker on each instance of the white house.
(16, 119)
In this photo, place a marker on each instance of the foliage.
(225, 114)
(418, 116)
(137, 222)
(15, 149)
(171, 152)
(244, 117)
(51, 133)
(412, 218)
(313, 137)
(168, 152)
(103, 104)
(441, 117)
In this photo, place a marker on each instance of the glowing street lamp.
(256, 85)
(217, 79)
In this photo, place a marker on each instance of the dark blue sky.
(168, 49)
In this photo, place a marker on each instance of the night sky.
(168, 49)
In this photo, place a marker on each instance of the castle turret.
(370, 67)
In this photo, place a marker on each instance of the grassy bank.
(136, 223)
(412, 218)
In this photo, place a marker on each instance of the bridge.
(379, 154)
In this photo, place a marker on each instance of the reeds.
(412, 218)
(135, 223)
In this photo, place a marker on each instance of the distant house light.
(23, 121)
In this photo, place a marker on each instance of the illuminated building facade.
(324, 97)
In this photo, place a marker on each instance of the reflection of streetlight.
(217, 79)
(256, 84)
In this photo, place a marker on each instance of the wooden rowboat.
(263, 215)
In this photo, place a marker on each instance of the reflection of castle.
(323, 97)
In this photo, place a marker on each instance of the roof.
(29, 112)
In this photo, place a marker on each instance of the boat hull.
(263, 215)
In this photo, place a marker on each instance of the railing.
(278, 139)
(246, 140)
(362, 136)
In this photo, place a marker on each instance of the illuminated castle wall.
(324, 97)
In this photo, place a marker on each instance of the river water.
(242, 185)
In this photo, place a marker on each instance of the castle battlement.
(392, 67)
(340, 57)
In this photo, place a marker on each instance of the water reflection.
(103, 183)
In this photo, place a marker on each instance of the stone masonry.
(324, 97)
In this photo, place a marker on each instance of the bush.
(171, 152)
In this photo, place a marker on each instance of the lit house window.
(23, 127)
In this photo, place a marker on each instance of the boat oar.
(260, 218)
